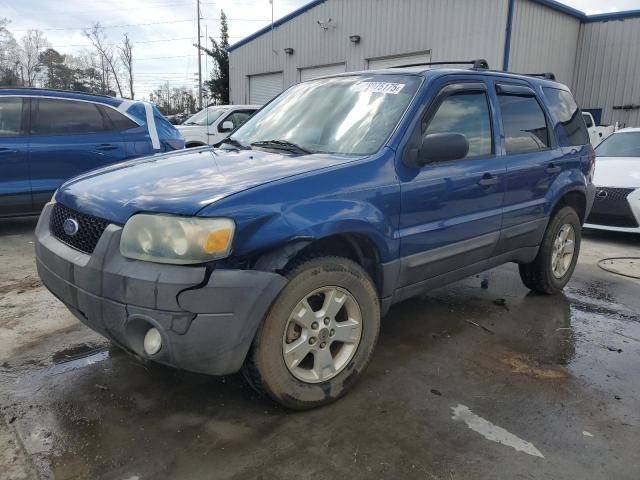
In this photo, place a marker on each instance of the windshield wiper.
(235, 143)
(282, 145)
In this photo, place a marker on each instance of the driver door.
(452, 211)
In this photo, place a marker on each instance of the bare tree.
(9, 56)
(126, 57)
(32, 44)
(107, 58)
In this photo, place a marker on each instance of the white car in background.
(617, 179)
(213, 124)
(597, 133)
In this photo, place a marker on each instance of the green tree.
(218, 84)
(57, 73)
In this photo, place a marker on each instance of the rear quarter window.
(571, 129)
(117, 120)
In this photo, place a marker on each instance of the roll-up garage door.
(397, 60)
(314, 72)
(263, 88)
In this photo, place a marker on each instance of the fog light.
(152, 341)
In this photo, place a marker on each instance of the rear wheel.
(318, 336)
(558, 254)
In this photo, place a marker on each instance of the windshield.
(205, 117)
(351, 115)
(620, 145)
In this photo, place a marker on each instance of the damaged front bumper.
(207, 323)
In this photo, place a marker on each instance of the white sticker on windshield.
(380, 87)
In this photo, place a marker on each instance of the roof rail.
(479, 64)
(545, 75)
(56, 90)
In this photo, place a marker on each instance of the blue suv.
(49, 136)
(278, 253)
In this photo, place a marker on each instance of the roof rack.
(545, 75)
(479, 64)
(56, 90)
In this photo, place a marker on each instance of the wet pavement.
(466, 382)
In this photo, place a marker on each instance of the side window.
(10, 116)
(466, 113)
(524, 123)
(116, 120)
(573, 131)
(237, 118)
(67, 117)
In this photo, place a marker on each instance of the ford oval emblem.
(70, 227)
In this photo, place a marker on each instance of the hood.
(182, 182)
(622, 172)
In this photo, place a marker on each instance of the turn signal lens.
(218, 241)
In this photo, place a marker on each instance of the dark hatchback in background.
(49, 136)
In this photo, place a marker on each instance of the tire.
(540, 275)
(299, 383)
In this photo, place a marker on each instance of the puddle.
(75, 352)
(520, 365)
(90, 358)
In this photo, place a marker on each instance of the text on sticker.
(379, 87)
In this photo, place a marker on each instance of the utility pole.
(199, 62)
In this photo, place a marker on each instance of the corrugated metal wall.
(608, 69)
(451, 29)
(543, 40)
(599, 61)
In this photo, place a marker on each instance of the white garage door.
(314, 72)
(263, 88)
(397, 60)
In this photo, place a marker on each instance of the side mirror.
(226, 126)
(442, 147)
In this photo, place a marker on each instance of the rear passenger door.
(452, 211)
(532, 164)
(15, 190)
(68, 137)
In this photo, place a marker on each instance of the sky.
(163, 31)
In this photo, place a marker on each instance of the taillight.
(175, 143)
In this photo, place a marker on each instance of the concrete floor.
(462, 386)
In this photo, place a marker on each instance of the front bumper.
(207, 325)
(615, 209)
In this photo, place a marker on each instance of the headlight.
(176, 240)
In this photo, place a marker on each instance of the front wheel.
(319, 335)
(558, 254)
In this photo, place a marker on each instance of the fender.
(314, 220)
(572, 180)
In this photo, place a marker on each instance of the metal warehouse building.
(598, 56)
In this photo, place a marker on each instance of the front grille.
(90, 228)
(611, 208)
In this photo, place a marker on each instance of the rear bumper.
(207, 322)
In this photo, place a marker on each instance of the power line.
(138, 24)
(135, 42)
(160, 58)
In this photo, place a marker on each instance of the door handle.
(487, 180)
(7, 151)
(105, 147)
(552, 168)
